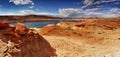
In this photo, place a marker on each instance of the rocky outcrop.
(107, 24)
(56, 30)
(20, 41)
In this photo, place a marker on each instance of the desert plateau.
(59, 28)
(91, 38)
(98, 38)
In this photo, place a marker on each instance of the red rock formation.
(58, 31)
(20, 41)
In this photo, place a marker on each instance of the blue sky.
(66, 8)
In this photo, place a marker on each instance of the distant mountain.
(27, 18)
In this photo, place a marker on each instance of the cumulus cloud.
(94, 2)
(32, 12)
(22, 2)
(94, 12)
(72, 12)
(91, 12)
(88, 2)
(104, 1)
(69, 11)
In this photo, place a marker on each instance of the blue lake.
(38, 24)
(41, 24)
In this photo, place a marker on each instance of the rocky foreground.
(98, 38)
(20, 41)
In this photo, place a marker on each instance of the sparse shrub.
(89, 32)
(92, 47)
(99, 33)
(103, 32)
(68, 28)
(118, 38)
(74, 33)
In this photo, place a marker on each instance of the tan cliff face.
(20, 41)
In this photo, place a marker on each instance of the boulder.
(20, 41)
(21, 29)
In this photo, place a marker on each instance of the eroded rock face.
(20, 41)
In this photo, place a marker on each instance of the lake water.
(38, 24)
(41, 24)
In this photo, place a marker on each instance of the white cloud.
(46, 13)
(115, 11)
(31, 7)
(94, 2)
(68, 11)
(88, 2)
(94, 12)
(27, 12)
(9, 14)
(107, 0)
(32, 12)
(117, 3)
(93, 9)
(103, 1)
(22, 2)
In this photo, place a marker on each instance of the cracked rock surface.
(20, 41)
